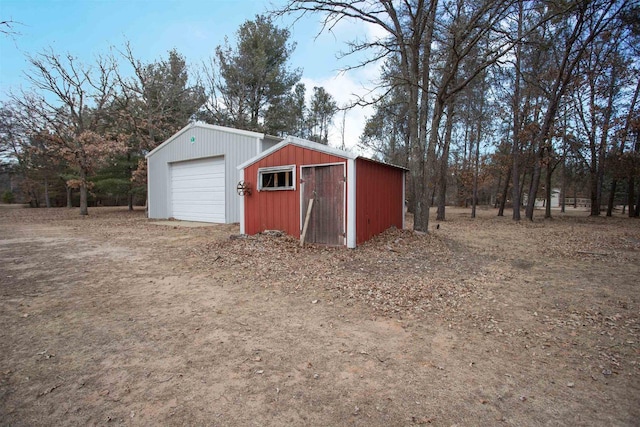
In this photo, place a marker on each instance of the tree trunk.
(421, 208)
(523, 181)
(418, 141)
(505, 191)
(515, 151)
(604, 136)
(623, 140)
(612, 196)
(476, 172)
(421, 221)
(595, 206)
(130, 174)
(630, 197)
(535, 184)
(547, 183)
(636, 149)
(444, 164)
(69, 201)
(498, 195)
(35, 200)
(84, 210)
(474, 202)
(563, 190)
(636, 212)
(47, 200)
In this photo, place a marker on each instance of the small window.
(281, 178)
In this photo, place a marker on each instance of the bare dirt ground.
(115, 320)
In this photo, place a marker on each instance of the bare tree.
(412, 28)
(67, 106)
(582, 23)
(7, 27)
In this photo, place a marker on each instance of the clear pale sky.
(87, 28)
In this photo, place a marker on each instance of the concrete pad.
(190, 224)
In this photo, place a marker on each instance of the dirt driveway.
(115, 320)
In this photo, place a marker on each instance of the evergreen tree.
(244, 81)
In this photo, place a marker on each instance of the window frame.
(274, 170)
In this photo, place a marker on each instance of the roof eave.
(206, 126)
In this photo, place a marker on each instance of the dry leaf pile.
(397, 271)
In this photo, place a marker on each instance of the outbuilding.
(192, 176)
(327, 195)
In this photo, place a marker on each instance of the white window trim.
(284, 168)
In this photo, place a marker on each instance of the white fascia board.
(384, 163)
(300, 143)
(351, 203)
(228, 129)
(320, 147)
(207, 126)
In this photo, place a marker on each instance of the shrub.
(8, 197)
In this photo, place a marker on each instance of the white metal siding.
(197, 190)
(198, 142)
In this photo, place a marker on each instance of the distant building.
(541, 201)
(579, 202)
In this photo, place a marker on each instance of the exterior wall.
(279, 210)
(555, 199)
(209, 141)
(379, 198)
(268, 142)
(578, 202)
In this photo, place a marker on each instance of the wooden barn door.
(324, 184)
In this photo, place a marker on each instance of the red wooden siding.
(379, 203)
(279, 210)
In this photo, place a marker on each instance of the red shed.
(344, 198)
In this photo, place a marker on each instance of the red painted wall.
(279, 210)
(379, 203)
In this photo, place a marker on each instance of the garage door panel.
(204, 174)
(197, 190)
(182, 202)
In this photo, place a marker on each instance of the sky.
(88, 28)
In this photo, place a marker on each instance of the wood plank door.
(326, 185)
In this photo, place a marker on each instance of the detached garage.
(342, 198)
(193, 175)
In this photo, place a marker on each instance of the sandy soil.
(112, 319)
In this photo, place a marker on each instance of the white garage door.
(197, 190)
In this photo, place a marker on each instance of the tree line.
(485, 101)
(502, 100)
(83, 128)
